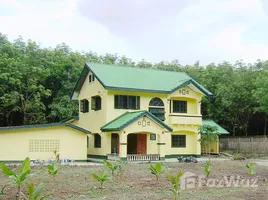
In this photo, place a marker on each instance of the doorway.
(137, 144)
(114, 143)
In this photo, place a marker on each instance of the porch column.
(162, 145)
(123, 145)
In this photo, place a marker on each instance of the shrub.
(102, 177)
(53, 168)
(175, 180)
(238, 157)
(156, 170)
(207, 168)
(111, 166)
(250, 167)
(34, 192)
(20, 177)
(121, 167)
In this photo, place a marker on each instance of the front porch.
(136, 136)
(137, 147)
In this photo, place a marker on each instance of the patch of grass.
(94, 192)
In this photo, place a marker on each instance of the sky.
(155, 30)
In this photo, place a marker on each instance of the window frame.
(179, 108)
(97, 140)
(152, 136)
(96, 103)
(91, 78)
(159, 115)
(126, 102)
(178, 145)
(84, 106)
(157, 108)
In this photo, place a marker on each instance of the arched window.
(156, 107)
(156, 102)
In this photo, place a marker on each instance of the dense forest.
(36, 84)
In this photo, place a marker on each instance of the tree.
(260, 93)
(208, 135)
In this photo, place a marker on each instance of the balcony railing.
(143, 157)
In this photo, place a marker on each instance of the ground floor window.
(97, 141)
(178, 141)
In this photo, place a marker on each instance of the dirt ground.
(136, 183)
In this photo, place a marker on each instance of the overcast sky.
(187, 30)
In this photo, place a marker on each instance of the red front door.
(141, 143)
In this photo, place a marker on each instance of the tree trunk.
(265, 125)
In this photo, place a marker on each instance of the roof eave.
(45, 126)
(205, 92)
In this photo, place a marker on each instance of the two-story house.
(137, 113)
(125, 112)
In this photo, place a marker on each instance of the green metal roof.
(115, 77)
(70, 118)
(45, 126)
(127, 118)
(213, 123)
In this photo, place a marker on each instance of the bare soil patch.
(136, 183)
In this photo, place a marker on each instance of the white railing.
(143, 157)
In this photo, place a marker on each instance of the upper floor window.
(179, 106)
(96, 103)
(84, 106)
(178, 141)
(126, 102)
(156, 102)
(156, 107)
(91, 78)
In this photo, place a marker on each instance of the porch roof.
(128, 118)
(210, 122)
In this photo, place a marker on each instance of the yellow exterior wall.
(105, 145)
(93, 120)
(145, 98)
(182, 123)
(15, 144)
(191, 144)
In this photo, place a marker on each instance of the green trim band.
(45, 126)
(102, 157)
(184, 155)
(81, 160)
(122, 143)
(123, 158)
(11, 161)
(161, 143)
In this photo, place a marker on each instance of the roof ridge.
(136, 67)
